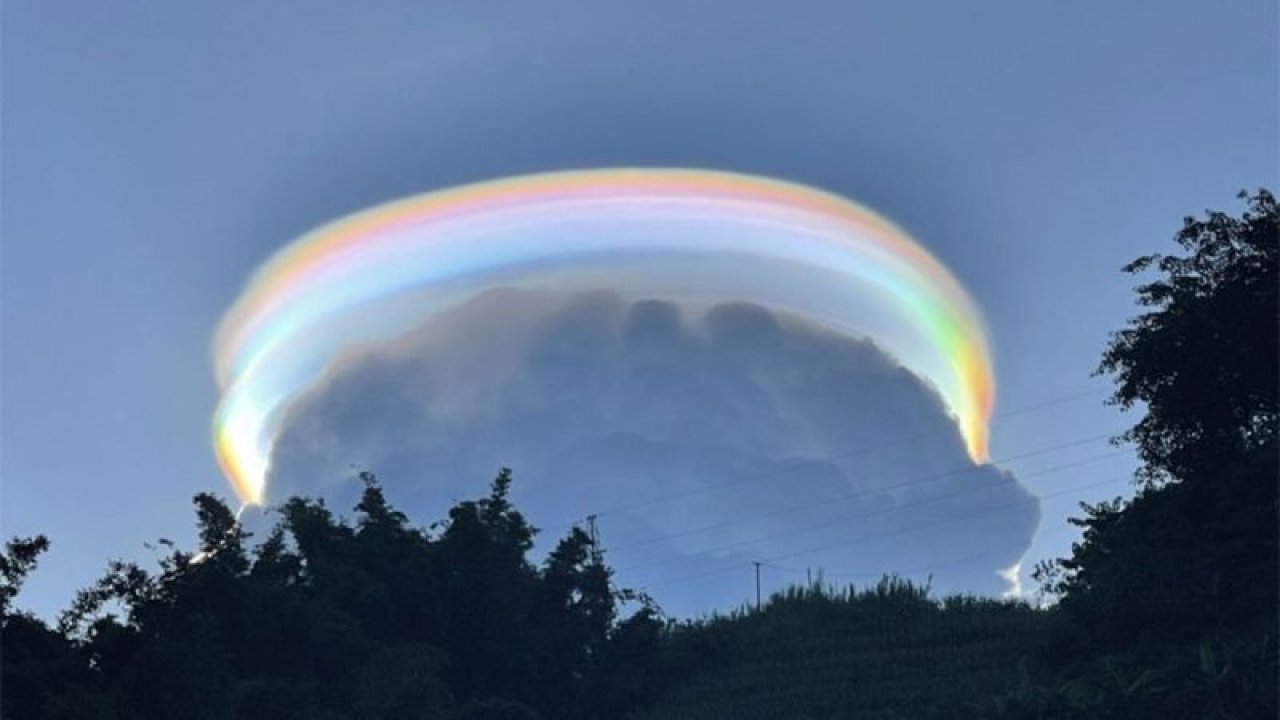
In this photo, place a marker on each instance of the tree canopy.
(326, 618)
(1202, 359)
(1196, 549)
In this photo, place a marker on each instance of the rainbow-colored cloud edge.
(322, 293)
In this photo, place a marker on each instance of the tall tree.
(488, 590)
(1196, 549)
(39, 669)
(1202, 359)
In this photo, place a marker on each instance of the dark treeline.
(1166, 607)
(326, 619)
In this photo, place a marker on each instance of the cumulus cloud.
(704, 437)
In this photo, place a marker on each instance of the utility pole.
(594, 534)
(757, 564)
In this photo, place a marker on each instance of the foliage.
(1202, 359)
(19, 558)
(887, 651)
(1219, 678)
(1167, 606)
(1196, 550)
(327, 619)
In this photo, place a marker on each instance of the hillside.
(885, 652)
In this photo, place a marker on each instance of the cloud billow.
(706, 437)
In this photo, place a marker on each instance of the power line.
(965, 516)
(897, 531)
(862, 450)
(806, 462)
(933, 477)
(883, 511)
(919, 571)
(966, 560)
(876, 536)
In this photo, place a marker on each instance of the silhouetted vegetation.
(329, 619)
(1166, 608)
(887, 651)
(1176, 591)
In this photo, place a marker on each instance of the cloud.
(704, 437)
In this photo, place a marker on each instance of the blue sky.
(154, 155)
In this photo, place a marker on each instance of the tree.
(488, 589)
(576, 609)
(331, 619)
(1202, 360)
(1196, 550)
(18, 560)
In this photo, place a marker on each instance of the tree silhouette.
(1202, 360)
(18, 560)
(1196, 549)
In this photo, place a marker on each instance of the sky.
(154, 156)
